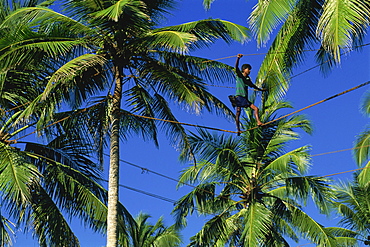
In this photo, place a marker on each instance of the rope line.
(291, 77)
(343, 172)
(176, 122)
(277, 52)
(202, 126)
(287, 115)
(341, 150)
(319, 102)
(14, 108)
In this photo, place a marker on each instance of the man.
(241, 97)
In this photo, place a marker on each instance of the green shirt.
(242, 86)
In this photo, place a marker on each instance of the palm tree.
(361, 148)
(252, 190)
(43, 184)
(353, 206)
(144, 234)
(353, 197)
(335, 25)
(120, 46)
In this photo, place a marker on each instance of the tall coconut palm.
(43, 185)
(121, 45)
(145, 234)
(252, 190)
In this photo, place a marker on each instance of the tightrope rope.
(319, 102)
(176, 122)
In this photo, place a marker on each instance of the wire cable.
(145, 193)
(169, 178)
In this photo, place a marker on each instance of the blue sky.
(336, 123)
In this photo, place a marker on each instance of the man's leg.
(255, 112)
(237, 116)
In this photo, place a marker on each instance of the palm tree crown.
(254, 190)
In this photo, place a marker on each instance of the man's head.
(246, 69)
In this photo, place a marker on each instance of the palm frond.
(208, 30)
(209, 145)
(339, 22)
(318, 187)
(70, 71)
(122, 7)
(16, 173)
(209, 70)
(45, 16)
(343, 237)
(298, 158)
(362, 147)
(266, 16)
(364, 175)
(365, 103)
(216, 229)
(6, 229)
(170, 40)
(310, 228)
(257, 222)
(48, 222)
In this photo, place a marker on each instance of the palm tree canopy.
(253, 190)
(145, 234)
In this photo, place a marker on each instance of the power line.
(145, 193)
(169, 178)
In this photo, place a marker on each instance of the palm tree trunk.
(113, 184)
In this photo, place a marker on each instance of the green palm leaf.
(364, 175)
(299, 157)
(339, 22)
(171, 40)
(257, 222)
(6, 228)
(208, 30)
(121, 7)
(313, 230)
(15, 173)
(266, 16)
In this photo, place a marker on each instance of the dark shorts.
(239, 101)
